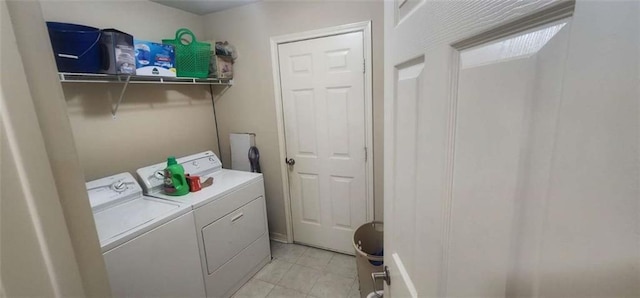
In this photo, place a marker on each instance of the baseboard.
(278, 237)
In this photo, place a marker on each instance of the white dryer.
(230, 217)
(149, 245)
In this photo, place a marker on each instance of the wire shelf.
(66, 77)
(125, 80)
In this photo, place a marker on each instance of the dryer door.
(229, 235)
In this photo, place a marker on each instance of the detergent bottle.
(175, 182)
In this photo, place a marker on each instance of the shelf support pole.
(114, 111)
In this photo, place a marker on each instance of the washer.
(230, 217)
(149, 245)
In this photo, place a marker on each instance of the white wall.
(142, 19)
(249, 106)
(51, 109)
(38, 258)
(154, 121)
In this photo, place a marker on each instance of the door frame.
(365, 28)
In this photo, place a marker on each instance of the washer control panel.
(112, 190)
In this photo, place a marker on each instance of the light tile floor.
(305, 272)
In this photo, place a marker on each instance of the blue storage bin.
(75, 47)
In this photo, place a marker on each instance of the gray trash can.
(368, 242)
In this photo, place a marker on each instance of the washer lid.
(134, 217)
(121, 212)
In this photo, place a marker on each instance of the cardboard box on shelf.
(221, 67)
(155, 59)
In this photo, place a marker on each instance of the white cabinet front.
(161, 263)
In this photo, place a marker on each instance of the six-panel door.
(322, 83)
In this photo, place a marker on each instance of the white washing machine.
(149, 245)
(230, 217)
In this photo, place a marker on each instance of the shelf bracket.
(224, 90)
(114, 110)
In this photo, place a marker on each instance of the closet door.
(323, 102)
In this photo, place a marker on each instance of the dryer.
(230, 220)
(149, 245)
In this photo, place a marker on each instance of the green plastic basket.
(192, 58)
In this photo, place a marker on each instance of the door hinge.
(364, 65)
(366, 154)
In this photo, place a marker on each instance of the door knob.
(290, 161)
(384, 275)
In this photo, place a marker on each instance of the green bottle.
(175, 183)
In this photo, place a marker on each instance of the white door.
(511, 148)
(322, 83)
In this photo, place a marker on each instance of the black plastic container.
(118, 53)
